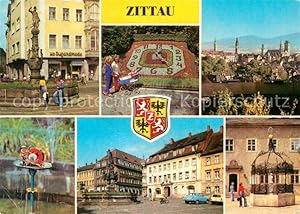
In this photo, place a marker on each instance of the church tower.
(237, 46)
(215, 45)
(280, 47)
(287, 47)
(262, 49)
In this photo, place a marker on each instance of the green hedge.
(171, 83)
(25, 85)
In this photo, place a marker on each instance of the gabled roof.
(124, 156)
(86, 167)
(192, 140)
(202, 143)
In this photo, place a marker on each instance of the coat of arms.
(150, 116)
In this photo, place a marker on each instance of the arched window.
(94, 12)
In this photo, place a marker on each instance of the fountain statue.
(110, 175)
(109, 196)
(34, 61)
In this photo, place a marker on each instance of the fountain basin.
(106, 199)
(272, 200)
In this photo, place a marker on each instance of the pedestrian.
(108, 75)
(232, 191)
(58, 95)
(241, 195)
(116, 72)
(150, 196)
(43, 86)
(83, 79)
(43, 89)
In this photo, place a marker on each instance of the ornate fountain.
(32, 159)
(110, 176)
(34, 61)
(110, 196)
(270, 178)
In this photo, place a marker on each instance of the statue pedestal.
(110, 188)
(106, 199)
(272, 200)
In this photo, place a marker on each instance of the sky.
(233, 18)
(97, 135)
(3, 20)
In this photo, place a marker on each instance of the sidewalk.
(233, 208)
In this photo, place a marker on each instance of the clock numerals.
(170, 71)
(137, 51)
(134, 57)
(132, 64)
(146, 46)
(171, 46)
(177, 51)
(138, 69)
(179, 64)
(178, 58)
(153, 71)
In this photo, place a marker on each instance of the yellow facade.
(63, 37)
(212, 173)
(86, 177)
(60, 27)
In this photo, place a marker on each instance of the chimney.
(221, 129)
(172, 141)
(190, 135)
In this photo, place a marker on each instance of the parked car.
(195, 198)
(216, 199)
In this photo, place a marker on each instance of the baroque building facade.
(128, 169)
(176, 169)
(65, 38)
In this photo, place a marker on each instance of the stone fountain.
(110, 196)
(270, 178)
(34, 61)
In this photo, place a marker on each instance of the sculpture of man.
(35, 17)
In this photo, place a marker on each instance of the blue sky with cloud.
(264, 18)
(97, 135)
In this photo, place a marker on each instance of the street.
(86, 104)
(182, 103)
(233, 208)
(176, 206)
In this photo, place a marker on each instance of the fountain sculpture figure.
(34, 61)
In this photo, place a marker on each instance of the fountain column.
(32, 173)
(34, 61)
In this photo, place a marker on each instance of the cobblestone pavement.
(183, 102)
(233, 208)
(87, 104)
(176, 206)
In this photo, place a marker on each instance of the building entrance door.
(167, 191)
(232, 178)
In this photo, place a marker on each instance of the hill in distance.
(252, 44)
